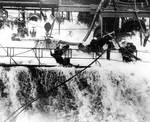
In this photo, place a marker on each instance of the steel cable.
(22, 108)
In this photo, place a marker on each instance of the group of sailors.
(96, 45)
(128, 51)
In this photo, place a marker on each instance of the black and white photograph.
(74, 60)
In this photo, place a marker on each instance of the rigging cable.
(38, 58)
(52, 26)
(22, 108)
(94, 19)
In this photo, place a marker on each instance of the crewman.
(58, 52)
(128, 52)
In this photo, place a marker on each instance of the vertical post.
(93, 56)
(149, 23)
(108, 51)
(7, 51)
(42, 52)
(53, 11)
(35, 51)
(68, 15)
(13, 52)
(71, 53)
(136, 53)
(39, 56)
(120, 22)
(59, 28)
(23, 17)
(10, 55)
(58, 16)
(101, 23)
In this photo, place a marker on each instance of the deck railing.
(41, 56)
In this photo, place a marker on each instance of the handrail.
(22, 53)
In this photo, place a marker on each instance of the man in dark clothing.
(58, 56)
(96, 45)
(128, 52)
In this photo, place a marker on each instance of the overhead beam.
(29, 3)
(78, 6)
(108, 13)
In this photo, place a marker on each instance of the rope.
(22, 52)
(52, 26)
(135, 5)
(22, 108)
(37, 57)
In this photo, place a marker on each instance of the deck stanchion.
(13, 52)
(9, 51)
(71, 53)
